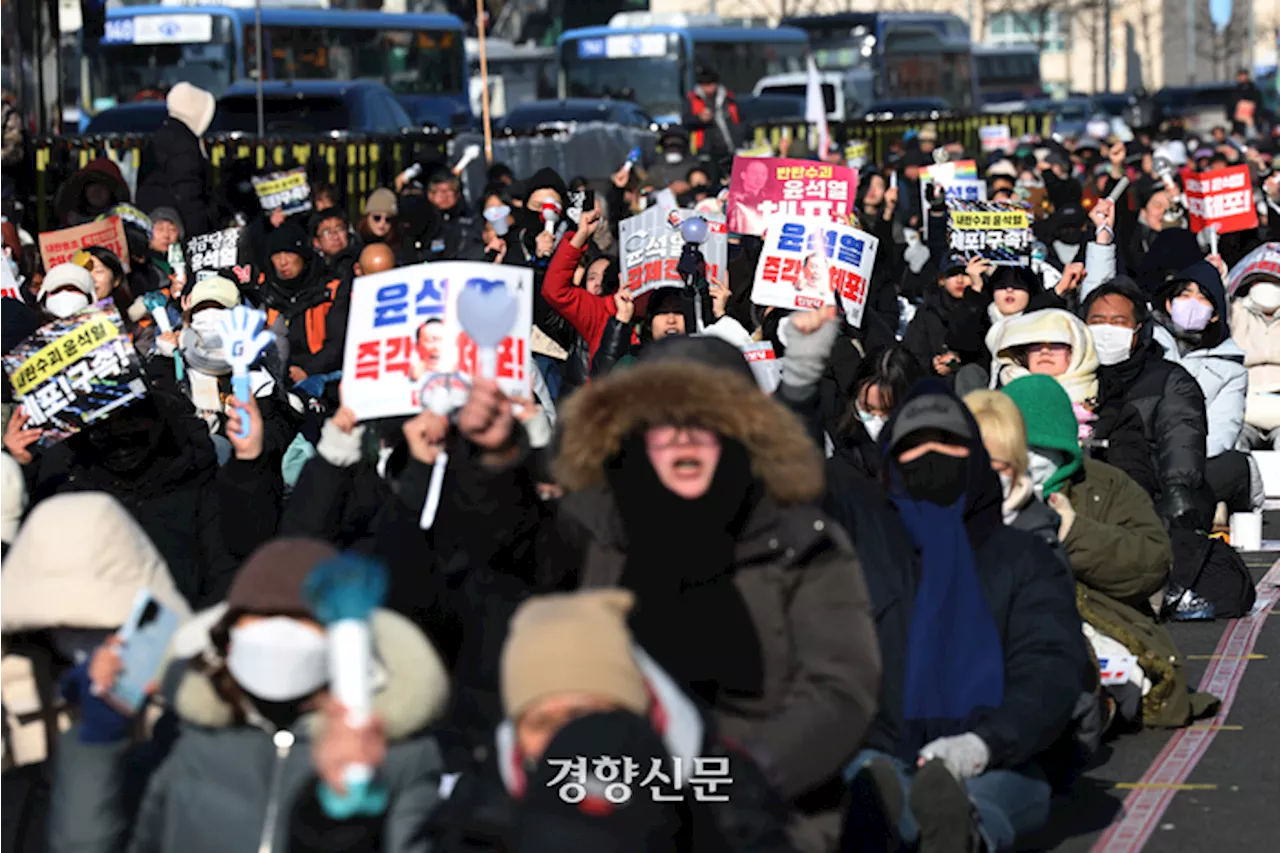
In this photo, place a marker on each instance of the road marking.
(1157, 786)
(1148, 800)
(1218, 728)
(1226, 657)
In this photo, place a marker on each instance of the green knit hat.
(1051, 422)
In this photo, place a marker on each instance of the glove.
(340, 449)
(807, 355)
(1178, 509)
(1058, 503)
(100, 722)
(965, 755)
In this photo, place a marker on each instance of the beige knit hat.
(572, 643)
(381, 200)
(192, 106)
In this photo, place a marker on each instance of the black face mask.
(935, 477)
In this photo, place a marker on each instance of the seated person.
(984, 661)
(1193, 309)
(1169, 404)
(1254, 325)
(1119, 551)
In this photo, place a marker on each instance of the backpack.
(1209, 580)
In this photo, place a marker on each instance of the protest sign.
(651, 247)
(945, 173)
(75, 372)
(959, 180)
(57, 247)
(764, 365)
(8, 281)
(760, 188)
(996, 137)
(999, 231)
(404, 342)
(289, 190)
(806, 262)
(217, 251)
(1223, 197)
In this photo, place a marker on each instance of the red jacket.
(587, 314)
(697, 103)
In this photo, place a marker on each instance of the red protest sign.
(762, 187)
(57, 247)
(1223, 197)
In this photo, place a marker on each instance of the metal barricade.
(356, 164)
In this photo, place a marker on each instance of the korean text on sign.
(617, 780)
(74, 372)
(806, 263)
(57, 247)
(217, 250)
(404, 340)
(998, 231)
(651, 247)
(761, 188)
(288, 190)
(1223, 197)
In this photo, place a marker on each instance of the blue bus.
(145, 50)
(652, 59)
(895, 55)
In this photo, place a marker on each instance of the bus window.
(200, 51)
(648, 69)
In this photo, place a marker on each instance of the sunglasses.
(379, 217)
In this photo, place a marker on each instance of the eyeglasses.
(1048, 347)
(332, 232)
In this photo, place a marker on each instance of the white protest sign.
(405, 346)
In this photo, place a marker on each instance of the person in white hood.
(1255, 327)
(182, 179)
(67, 289)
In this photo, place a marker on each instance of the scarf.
(955, 661)
(689, 615)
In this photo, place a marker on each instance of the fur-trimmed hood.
(412, 687)
(595, 421)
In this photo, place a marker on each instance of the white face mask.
(1006, 483)
(673, 157)
(1040, 467)
(872, 423)
(278, 659)
(1266, 296)
(1113, 343)
(201, 343)
(64, 303)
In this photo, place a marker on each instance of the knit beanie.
(575, 643)
(271, 580)
(169, 214)
(1051, 423)
(192, 106)
(381, 200)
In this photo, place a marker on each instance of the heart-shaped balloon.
(487, 310)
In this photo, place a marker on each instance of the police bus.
(145, 50)
(653, 59)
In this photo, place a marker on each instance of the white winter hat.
(67, 274)
(79, 561)
(193, 106)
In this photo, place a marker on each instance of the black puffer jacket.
(181, 178)
(1170, 406)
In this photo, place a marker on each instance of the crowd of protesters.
(871, 609)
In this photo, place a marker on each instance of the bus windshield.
(417, 62)
(645, 68)
(144, 61)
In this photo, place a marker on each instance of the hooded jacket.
(309, 311)
(1212, 358)
(84, 582)
(1048, 326)
(70, 204)
(226, 786)
(182, 178)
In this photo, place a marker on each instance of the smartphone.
(588, 200)
(144, 639)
